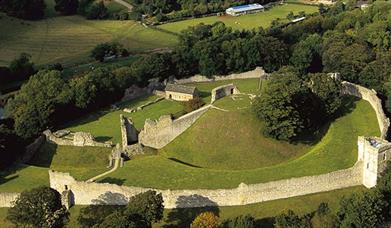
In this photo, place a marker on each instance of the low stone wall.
(223, 91)
(256, 73)
(7, 199)
(141, 107)
(75, 139)
(370, 96)
(111, 194)
(158, 133)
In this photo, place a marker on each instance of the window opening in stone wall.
(367, 165)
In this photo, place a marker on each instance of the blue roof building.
(244, 9)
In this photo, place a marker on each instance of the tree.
(289, 220)
(25, 9)
(323, 217)
(193, 104)
(362, 210)
(96, 11)
(328, 90)
(38, 207)
(11, 146)
(101, 51)
(147, 206)
(205, 220)
(22, 68)
(67, 7)
(33, 107)
(279, 105)
(245, 221)
(306, 54)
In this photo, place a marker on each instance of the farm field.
(70, 39)
(261, 211)
(250, 21)
(336, 150)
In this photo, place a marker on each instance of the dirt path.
(116, 165)
(127, 5)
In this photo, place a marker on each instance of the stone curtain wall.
(129, 132)
(256, 73)
(100, 193)
(6, 199)
(158, 133)
(370, 96)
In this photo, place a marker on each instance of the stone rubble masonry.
(256, 73)
(84, 193)
(77, 139)
(158, 133)
(370, 96)
(129, 135)
(223, 91)
(7, 199)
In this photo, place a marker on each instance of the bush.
(96, 11)
(39, 207)
(193, 104)
(101, 51)
(205, 220)
(240, 222)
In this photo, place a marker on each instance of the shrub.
(240, 222)
(193, 104)
(205, 220)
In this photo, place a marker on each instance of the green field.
(249, 21)
(81, 162)
(70, 39)
(336, 150)
(105, 125)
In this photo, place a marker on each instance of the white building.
(244, 9)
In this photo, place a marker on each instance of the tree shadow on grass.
(112, 180)
(44, 156)
(312, 138)
(183, 216)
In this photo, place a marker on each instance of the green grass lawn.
(249, 21)
(81, 162)
(69, 39)
(105, 125)
(336, 150)
(17, 179)
(231, 140)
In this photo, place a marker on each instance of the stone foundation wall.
(223, 91)
(111, 194)
(6, 199)
(158, 133)
(129, 132)
(256, 73)
(75, 139)
(370, 96)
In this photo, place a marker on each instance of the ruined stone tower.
(374, 153)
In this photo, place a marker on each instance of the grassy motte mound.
(230, 139)
(336, 150)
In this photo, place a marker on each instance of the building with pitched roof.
(180, 92)
(244, 9)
